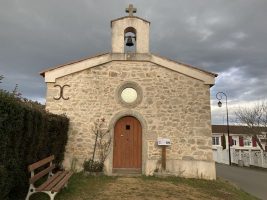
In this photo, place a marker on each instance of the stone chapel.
(143, 97)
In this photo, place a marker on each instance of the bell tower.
(130, 33)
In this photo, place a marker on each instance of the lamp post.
(219, 96)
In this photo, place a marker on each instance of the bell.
(129, 42)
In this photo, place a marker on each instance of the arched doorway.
(127, 149)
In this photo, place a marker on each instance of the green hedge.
(27, 134)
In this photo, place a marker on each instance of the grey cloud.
(214, 35)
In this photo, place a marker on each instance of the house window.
(234, 142)
(247, 142)
(216, 140)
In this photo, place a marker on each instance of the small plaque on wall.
(164, 142)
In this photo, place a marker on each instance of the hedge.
(27, 134)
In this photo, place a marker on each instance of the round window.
(129, 95)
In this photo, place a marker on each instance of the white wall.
(247, 157)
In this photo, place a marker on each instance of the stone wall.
(174, 106)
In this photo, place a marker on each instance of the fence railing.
(246, 157)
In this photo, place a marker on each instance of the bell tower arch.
(130, 30)
(130, 40)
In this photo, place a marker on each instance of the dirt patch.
(127, 188)
(146, 188)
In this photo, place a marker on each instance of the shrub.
(27, 134)
(4, 183)
(93, 166)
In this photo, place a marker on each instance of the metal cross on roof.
(131, 10)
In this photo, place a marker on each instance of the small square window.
(215, 140)
(247, 142)
(128, 127)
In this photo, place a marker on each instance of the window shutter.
(241, 141)
(231, 140)
(254, 142)
(223, 143)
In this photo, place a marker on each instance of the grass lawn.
(134, 188)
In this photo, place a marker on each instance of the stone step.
(127, 172)
(126, 175)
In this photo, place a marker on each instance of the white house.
(240, 137)
(243, 146)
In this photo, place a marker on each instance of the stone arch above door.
(125, 113)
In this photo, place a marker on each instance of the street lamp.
(219, 96)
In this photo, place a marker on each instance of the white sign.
(164, 141)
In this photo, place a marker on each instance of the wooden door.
(127, 150)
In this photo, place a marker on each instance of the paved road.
(250, 180)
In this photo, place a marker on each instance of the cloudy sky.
(228, 37)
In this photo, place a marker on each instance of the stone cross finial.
(130, 10)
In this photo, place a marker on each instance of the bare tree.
(254, 119)
(103, 145)
(102, 140)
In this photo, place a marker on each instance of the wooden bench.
(53, 184)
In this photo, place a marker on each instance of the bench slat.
(49, 181)
(41, 174)
(62, 182)
(55, 181)
(40, 163)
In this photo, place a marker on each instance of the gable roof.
(133, 17)
(62, 70)
(42, 73)
(187, 65)
(234, 129)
